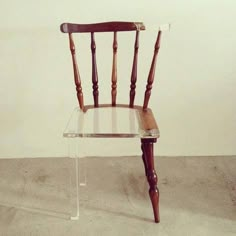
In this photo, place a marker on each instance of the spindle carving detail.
(151, 72)
(134, 71)
(148, 158)
(94, 71)
(76, 73)
(114, 70)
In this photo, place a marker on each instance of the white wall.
(195, 84)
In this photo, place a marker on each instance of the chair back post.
(114, 71)
(77, 79)
(94, 71)
(151, 72)
(134, 71)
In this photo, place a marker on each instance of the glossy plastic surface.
(107, 122)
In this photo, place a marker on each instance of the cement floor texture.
(198, 197)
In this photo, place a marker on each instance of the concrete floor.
(198, 197)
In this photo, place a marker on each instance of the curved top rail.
(102, 27)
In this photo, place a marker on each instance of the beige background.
(195, 85)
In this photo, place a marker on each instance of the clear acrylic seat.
(110, 122)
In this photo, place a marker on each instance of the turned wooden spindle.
(144, 158)
(151, 73)
(76, 73)
(94, 71)
(148, 159)
(134, 71)
(114, 71)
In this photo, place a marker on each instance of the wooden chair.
(147, 131)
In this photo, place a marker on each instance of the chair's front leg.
(144, 158)
(148, 157)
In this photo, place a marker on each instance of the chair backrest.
(110, 27)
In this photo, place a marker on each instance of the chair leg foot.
(154, 196)
(152, 178)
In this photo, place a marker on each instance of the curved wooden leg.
(147, 146)
(144, 159)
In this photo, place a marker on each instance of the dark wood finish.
(76, 73)
(114, 71)
(134, 71)
(152, 72)
(148, 159)
(102, 27)
(111, 27)
(147, 120)
(94, 71)
(144, 159)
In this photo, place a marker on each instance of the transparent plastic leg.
(77, 177)
(74, 189)
(48, 186)
(41, 185)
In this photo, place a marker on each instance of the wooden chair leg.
(148, 157)
(144, 158)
